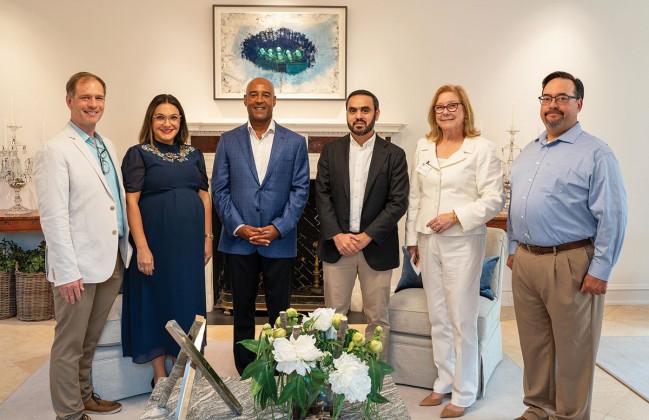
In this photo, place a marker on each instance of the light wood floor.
(24, 347)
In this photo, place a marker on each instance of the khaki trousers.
(339, 280)
(559, 329)
(77, 331)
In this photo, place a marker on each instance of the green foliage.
(252, 345)
(30, 261)
(33, 260)
(9, 252)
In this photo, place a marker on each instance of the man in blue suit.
(260, 184)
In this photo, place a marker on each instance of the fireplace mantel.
(307, 128)
(205, 135)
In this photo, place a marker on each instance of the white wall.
(499, 51)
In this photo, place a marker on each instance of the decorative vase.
(322, 408)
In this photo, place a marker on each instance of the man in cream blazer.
(81, 204)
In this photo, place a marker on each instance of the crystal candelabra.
(12, 171)
(511, 151)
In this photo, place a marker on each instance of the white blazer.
(77, 211)
(470, 182)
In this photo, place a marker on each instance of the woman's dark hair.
(146, 133)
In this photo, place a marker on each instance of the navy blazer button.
(257, 210)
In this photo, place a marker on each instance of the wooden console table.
(23, 223)
(500, 221)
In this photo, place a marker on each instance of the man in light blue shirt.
(566, 228)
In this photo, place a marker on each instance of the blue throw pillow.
(486, 277)
(409, 279)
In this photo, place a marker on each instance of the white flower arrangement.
(321, 353)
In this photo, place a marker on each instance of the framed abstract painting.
(301, 50)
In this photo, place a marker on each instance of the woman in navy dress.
(169, 214)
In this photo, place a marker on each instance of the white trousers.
(451, 267)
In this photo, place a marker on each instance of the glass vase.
(322, 408)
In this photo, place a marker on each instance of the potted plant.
(33, 260)
(34, 298)
(9, 252)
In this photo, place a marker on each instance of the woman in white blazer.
(455, 187)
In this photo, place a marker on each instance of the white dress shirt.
(359, 165)
(261, 148)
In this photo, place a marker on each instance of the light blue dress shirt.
(111, 176)
(568, 190)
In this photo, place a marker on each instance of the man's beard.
(554, 123)
(368, 128)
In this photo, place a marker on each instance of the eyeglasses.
(102, 154)
(452, 107)
(559, 99)
(174, 118)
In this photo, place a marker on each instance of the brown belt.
(557, 248)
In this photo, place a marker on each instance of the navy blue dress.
(169, 178)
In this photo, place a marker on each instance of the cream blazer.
(77, 211)
(470, 183)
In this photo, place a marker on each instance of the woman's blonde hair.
(469, 129)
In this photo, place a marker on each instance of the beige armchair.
(410, 349)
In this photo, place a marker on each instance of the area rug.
(31, 401)
(627, 360)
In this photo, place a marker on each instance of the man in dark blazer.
(361, 193)
(260, 184)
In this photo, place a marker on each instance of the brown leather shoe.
(433, 399)
(449, 412)
(95, 405)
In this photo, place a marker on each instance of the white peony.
(351, 378)
(323, 320)
(294, 355)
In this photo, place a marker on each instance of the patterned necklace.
(181, 156)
